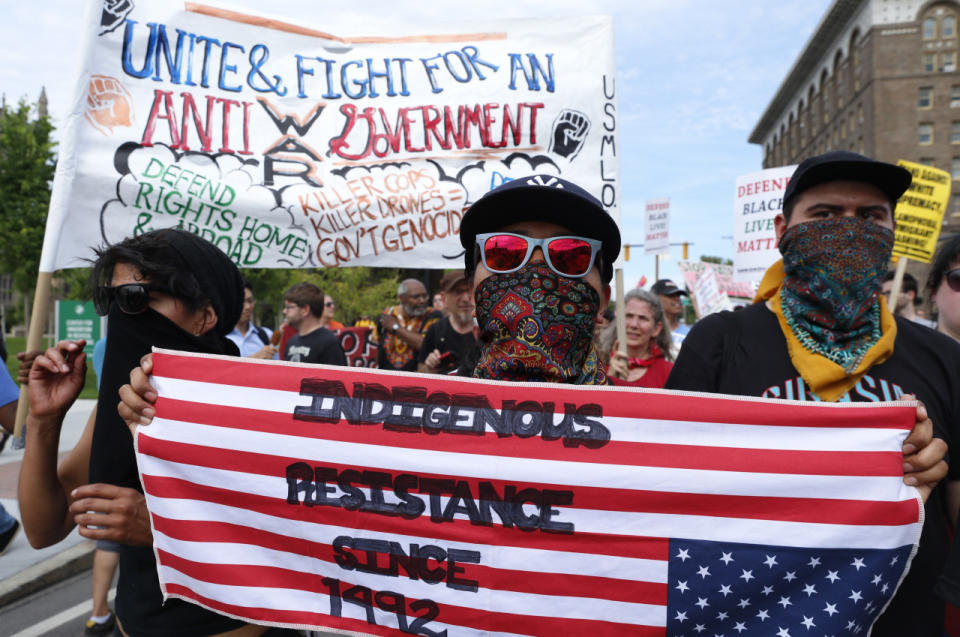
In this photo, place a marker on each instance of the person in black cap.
(820, 330)
(672, 305)
(540, 253)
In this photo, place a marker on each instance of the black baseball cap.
(666, 287)
(844, 165)
(542, 198)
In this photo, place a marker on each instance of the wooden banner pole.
(897, 283)
(38, 321)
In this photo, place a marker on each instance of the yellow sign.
(920, 211)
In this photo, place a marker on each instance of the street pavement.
(24, 569)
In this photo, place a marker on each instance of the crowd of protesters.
(538, 261)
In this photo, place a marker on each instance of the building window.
(955, 96)
(925, 133)
(955, 168)
(949, 27)
(955, 133)
(929, 28)
(925, 97)
(929, 62)
(843, 129)
(860, 113)
(860, 145)
(851, 124)
(926, 161)
(949, 62)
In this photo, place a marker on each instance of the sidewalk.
(24, 569)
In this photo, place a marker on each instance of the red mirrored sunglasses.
(569, 256)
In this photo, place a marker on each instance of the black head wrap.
(181, 255)
(218, 277)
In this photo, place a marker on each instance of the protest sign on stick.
(656, 226)
(387, 503)
(757, 200)
(919, 213)
(919, 217)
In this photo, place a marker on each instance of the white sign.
(657, 226)
(710, 298)
(691, 271)
(758, 199)
(288, 146)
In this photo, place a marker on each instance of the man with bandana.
(540, 253)
(403, 326)
(819, 329)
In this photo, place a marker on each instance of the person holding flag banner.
(541, 252)
(819, 329)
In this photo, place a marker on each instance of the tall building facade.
(878, 77)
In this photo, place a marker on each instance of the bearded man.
(403, 326)
(819, 329)
(450, 346)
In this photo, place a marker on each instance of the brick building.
(878, 77)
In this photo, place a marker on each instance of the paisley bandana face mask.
(537, 326)
(829, 296)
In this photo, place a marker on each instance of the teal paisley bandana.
(833, 273)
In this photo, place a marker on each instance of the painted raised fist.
(569, 133)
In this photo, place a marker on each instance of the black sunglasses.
(952, 277)
(131, 298)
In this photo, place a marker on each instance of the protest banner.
(387, 504)
(757, 200)
(288, 146)
(358, 346)
(739, 290)
(919, 213)
(656, 226)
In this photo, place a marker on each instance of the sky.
(693, 78)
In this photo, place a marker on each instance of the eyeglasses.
(330, 304)
(952, 278)
(131, 298)
(504, 252)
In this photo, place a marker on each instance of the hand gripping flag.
(381, 503)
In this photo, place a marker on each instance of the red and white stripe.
(678, 465)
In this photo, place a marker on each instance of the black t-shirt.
(464, 348)
(745, 353)
(321, 346)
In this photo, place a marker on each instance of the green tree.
(26, 174)
(357, 291)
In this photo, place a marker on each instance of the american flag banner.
(380, 503)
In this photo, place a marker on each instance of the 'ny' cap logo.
(538, 181)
